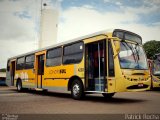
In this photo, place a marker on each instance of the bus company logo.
(61, 71)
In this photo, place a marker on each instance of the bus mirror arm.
(115, 54)
(33, 70)
(117, 48)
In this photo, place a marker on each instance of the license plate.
(140, 85)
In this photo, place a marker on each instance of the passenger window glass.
(54, 57)
(110, 60)
(73, 53)
(29, 62)
(20, 63)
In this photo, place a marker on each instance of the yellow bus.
(155, 71)
(105, 62)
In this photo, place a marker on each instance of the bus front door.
(40, 70)
(95, 65)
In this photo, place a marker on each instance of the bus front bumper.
(138, 85)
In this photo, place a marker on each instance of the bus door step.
(38, 89)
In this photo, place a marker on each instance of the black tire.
(19, 86)
(108, 95)
(77, 90)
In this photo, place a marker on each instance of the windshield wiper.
(131, 48)
(137, 51)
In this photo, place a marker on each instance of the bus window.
(110, 60)
(20, 63)
(54, 57)
(41, 65)
(73, 53)
(29, 62)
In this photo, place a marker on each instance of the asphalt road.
(33, 102)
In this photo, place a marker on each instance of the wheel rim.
(76, 89)
(19, 86)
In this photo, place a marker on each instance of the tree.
(151, 48)
(3, 70)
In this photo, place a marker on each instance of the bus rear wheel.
(108, 95)
(77, 91)
(19, 86)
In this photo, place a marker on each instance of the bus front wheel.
(108, 95)
(77, 90)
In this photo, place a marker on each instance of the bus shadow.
(155, 90)
(45, 93)
(91, 98)
(114, 100)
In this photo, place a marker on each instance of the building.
(2, 78)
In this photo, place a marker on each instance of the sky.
(19, 21)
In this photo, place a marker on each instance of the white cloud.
(80, 21)
(11, 48)
(106, 0)
(142, 9)
(19, 35)
(118, 3)
(14, 27)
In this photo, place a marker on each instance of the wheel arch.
(71, 81)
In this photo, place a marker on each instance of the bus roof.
(103, 32)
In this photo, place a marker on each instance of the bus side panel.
(119, 81)
(27, 77)
(19, 74)
(155, 81)
(57, 77)
(8, 78)
(79, 70)
(118, 84)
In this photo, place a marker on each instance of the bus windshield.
(132, 56)
(156, 68)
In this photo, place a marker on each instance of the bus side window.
(29, 62)
(110, 60)
(54, 57)
(73, 53)
(20, 63)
